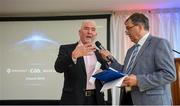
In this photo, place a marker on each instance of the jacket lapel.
(144, 46)
(80, 62)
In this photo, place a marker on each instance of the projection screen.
(28, 50)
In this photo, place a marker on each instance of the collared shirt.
(140, 43)
(90, 63)
(142, 40)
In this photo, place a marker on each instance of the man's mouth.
(88, 37)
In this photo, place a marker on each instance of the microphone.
(176, 51)
(98, 44)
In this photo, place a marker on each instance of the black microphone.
(98, 44)
(176, 51)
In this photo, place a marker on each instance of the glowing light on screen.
(37, 40)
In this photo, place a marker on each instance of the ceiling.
(14, 7)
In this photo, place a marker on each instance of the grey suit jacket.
(155, 71)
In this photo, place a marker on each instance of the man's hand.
(105, 54)
(83, 50)
(130, 81)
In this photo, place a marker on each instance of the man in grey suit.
(149, 65)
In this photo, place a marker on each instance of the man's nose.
(89, 31)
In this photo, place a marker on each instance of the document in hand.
(108, 75)
(111, 84)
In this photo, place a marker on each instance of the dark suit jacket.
(75, 76)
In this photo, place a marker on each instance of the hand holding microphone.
(106, 55)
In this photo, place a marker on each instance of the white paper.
(114, 83)
(97, 69)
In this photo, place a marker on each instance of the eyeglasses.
(128, 28)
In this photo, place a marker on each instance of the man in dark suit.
(149, 65)
(77, 61)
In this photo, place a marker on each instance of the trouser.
(125, 97)
(90, 97)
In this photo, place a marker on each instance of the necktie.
(133, 57)
(131, 63)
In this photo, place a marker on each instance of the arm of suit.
(163, 68)
(116, 65)
(64, 60)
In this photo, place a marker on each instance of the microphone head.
(97, 43)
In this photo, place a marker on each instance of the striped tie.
(133, 57)
(131, 63)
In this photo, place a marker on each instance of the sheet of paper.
(97, 69)
(114, 83)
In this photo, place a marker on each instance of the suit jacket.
(75, 76)
(155, 70)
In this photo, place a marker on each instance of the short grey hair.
(87, 21)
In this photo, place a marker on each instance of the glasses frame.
(127, 29)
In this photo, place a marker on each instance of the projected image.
(33, 46)
(30, 62)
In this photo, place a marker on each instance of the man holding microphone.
(149, 65)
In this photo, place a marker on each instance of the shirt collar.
(143, 39)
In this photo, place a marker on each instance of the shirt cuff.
(74, 60)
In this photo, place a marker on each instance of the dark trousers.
(90, 98)
(125, 97)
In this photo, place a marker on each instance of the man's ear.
(79, 32)
(141, 26)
